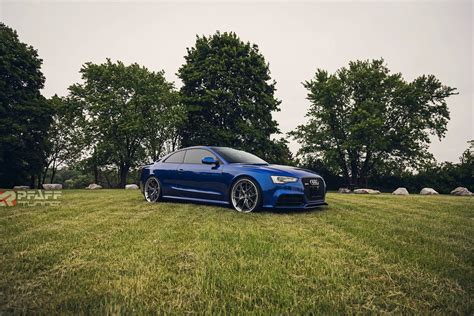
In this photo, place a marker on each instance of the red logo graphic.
(7, 198)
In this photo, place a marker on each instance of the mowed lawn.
(111, 252)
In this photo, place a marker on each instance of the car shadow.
(185, 202)
(264, 210)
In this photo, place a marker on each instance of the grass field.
(110, 252)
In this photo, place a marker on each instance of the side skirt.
(194, 199)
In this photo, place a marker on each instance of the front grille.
(290, 200)
(314, 188)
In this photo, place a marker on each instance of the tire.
(152, 190)
(245, 195)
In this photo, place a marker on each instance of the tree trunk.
(53, 173)
(43, 180)
(174, 143)
(96, 174)
(355, 181)
(123, 175)
(32, 181)
(107, 180)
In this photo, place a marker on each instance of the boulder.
(462, 191)
(366, 191)
(131, 187)
(428, 191)
(53, 186)
(344, 190)
(94, 186)
(21, 187)
(400, 191)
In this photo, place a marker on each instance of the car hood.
(282, 170)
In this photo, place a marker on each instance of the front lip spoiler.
(299, 207)
(312, 205)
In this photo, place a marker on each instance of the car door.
(198, 180)
(168, 173)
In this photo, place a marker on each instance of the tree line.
(362, 120)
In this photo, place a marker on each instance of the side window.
(176, 157)
(195, 155)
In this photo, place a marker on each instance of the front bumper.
(298, 195)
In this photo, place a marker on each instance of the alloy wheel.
(245, 196)
(152, 190)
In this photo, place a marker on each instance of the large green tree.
(229, 97)
(363, 118)
(64, 141)
(162, 128)
(124, 108)
(25, 115)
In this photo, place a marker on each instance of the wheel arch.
(237, 178)
(152, 175)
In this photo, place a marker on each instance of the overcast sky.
(414, 38)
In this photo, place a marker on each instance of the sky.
(296, 38)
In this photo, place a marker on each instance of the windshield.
(238, 156)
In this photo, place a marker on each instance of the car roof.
(203, 147)
(211, 148)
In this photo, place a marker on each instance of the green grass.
(110, 252)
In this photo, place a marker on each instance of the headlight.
(282, 179)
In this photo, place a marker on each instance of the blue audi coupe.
(233, 177)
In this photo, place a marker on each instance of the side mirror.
(209, 161)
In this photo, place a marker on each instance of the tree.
(25, 115)
(64, 141)
(467, 157)
(363, 117)
(277, 151)
(229, 96)
(162, 131)
(466, 166)
(123, 108)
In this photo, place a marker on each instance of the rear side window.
(195, 155)
(176, 157)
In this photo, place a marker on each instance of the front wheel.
(152, 190)
(245, 195)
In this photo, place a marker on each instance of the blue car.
(233, 177)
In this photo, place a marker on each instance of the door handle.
(180, 169)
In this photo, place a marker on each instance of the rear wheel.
(152, 190)
(245, 195)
